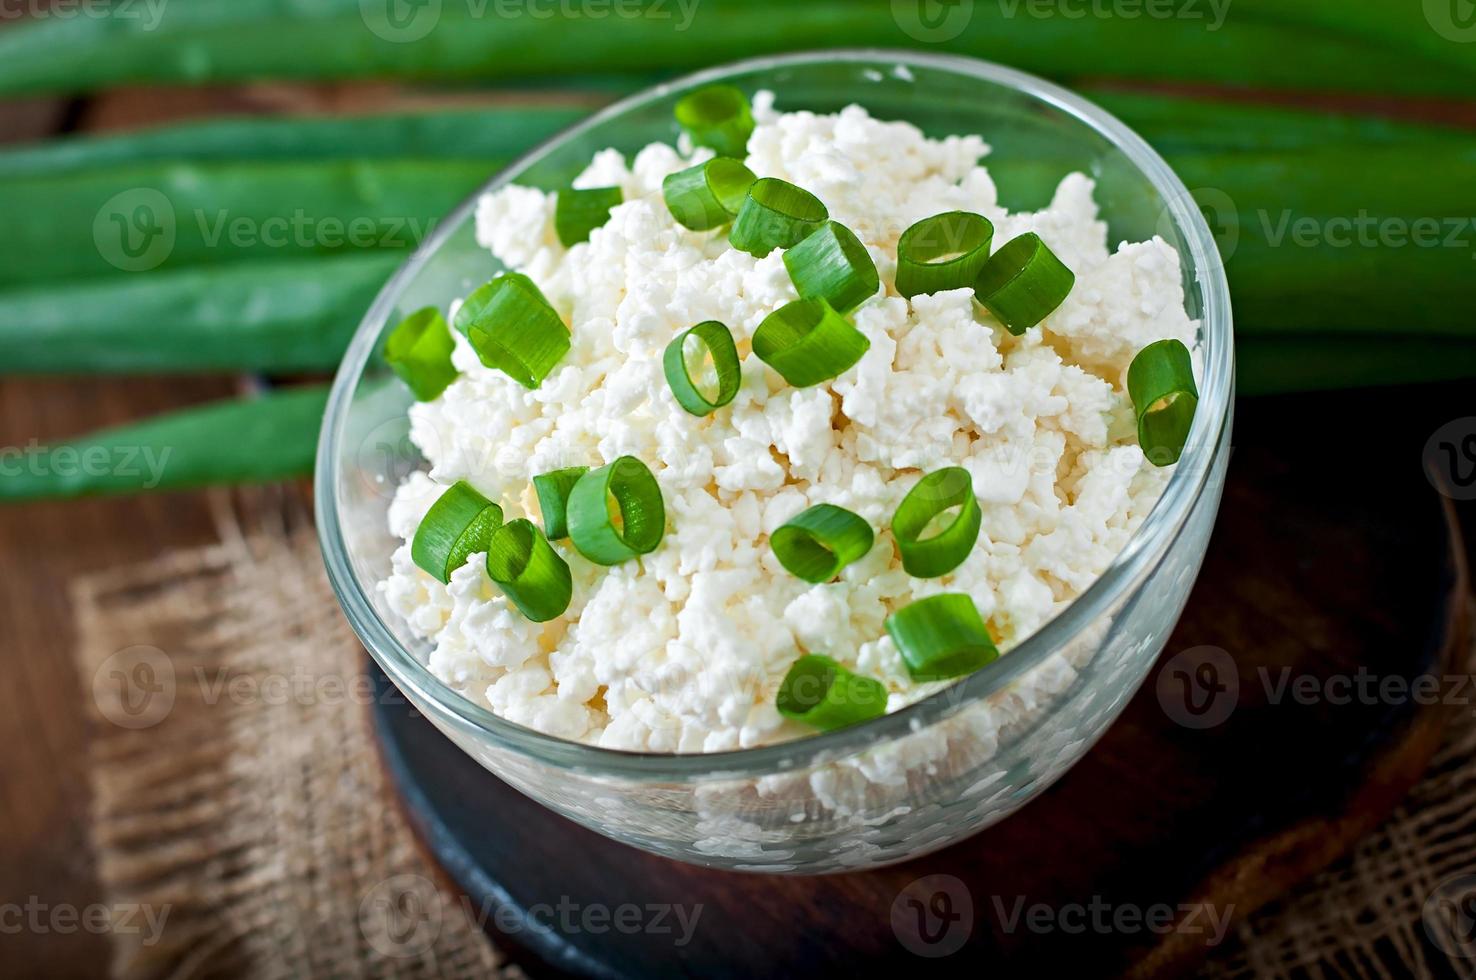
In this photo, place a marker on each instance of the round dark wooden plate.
(1335, 566)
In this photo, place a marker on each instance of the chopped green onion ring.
(942, 637)
(832, 264)
(808, 342)
(708, 195)
(718, 116)
(419, 351)
(1023, 283)
(514, 329)
(817, 543)
(821, 693)
(457, 525)
(529, 571)
(943, 252)
(775, 214)
(713, 338)
(579, 212)
(638, 499)
(553, 491)
(936, 493)
(1161, 385)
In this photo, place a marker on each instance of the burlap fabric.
(236, 786)
(1403, 904)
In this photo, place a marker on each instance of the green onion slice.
(713, 340)
(820, 692)
(808, 342)
(943, 252)
(832, 264)
(1161, 385)
(419, 351)
(1023, 283)
(457, 525)
(817, 543)
(708, 195)
(530, 572)
(513, 329)
(579, 212)
(638, 504)
(553, 499)
(942, 637)
(775, 214)
(718, 116)
(937, 554)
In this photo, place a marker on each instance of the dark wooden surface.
(1332, 556)
(43, 795)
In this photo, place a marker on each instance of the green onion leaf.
(821, 693)
(457, 525)
(775, 214)
(1161, 385)
(941, 637)
(943, 252)
(419, 351)
(513, 329)
(713, 339)
(708, 195)
(940, 553)
(553, 499)
(580, 212)
(642, 514)
(530, 572)
(832, 264)
(817, 543)
(808, 342)
(1023, 283)
(718, 116)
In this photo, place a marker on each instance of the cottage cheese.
(683, 651)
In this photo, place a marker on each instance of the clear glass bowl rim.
(1161, 526)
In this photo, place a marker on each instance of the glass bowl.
(944, 767)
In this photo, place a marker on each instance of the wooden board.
(1333, 558)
